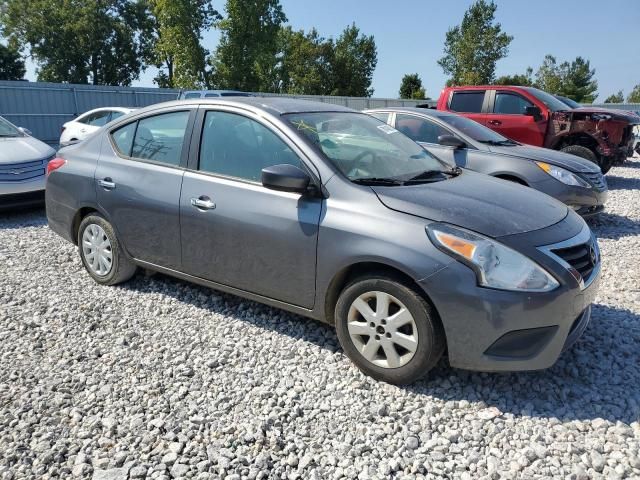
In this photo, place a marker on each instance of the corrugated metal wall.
(634, 107)
(44, 107)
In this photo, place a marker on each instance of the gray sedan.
(23, 160)
(465, 143)
(332, 214)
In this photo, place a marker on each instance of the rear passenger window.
(160, 138)
(467, 102)
(510, 104)
(123, 138)
(237, 146)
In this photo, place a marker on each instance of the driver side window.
(420, 129)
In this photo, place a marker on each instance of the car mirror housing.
(25, 131)
(451, 141)
(533, 111)
(285, 178)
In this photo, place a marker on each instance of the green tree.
(472, 49)
(354, 60)
(634, 96)
(246, 58)
(175, 41)
(615, 98)
(577, 81)
(78, 41)
(306, 60)
(548, 77)
(411, 87)
(11, 64)
(522, 79)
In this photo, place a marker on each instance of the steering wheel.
(361, 156)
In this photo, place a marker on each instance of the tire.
(355, 332)
(120, 268)
(587, 154)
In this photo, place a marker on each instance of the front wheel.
(587, 154)
(101, 252)
(388, 330)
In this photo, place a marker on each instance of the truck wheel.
(388, 330)
(584, 152)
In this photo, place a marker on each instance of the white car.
(23, 161)
(87, 123)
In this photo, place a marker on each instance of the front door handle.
(203, 203)
(495, 122)
(107, 183)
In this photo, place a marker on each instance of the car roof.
(427, 112)
(274, 105)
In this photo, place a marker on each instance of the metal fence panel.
(44, 107)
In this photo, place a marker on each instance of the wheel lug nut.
(372, 325)
(383, 321)
(388, 335)
(377, 337)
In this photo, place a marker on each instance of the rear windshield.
(7, 129)
(363, 147)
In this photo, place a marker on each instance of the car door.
(507, 117)
(138, 182)
(426, 132)
(235, 231)
(470, 103)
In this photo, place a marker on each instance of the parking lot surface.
(158, 378)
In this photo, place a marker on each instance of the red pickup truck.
(534, 117)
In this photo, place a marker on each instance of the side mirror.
(26, 131)
(534, 112)
(451, 141)
(285, 178)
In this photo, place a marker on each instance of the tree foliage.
(472, 49)
(11, 64)
(246, 58)
(574, 80)
(615, 98)
(79, 41)
(306, 63)
(411, 87)
(521, 79)
(354, 61)
(175, 35)
(634, 96)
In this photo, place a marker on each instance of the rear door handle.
(495, 122)
(203, 203)
(107, 183)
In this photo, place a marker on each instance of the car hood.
(23, 149)
(478, 202)
(560, 159)
(614, 113)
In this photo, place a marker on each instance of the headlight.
(496, 265)
(565, 176)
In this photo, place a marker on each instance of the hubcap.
(96, 249)
(382, 329)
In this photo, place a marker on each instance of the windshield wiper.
(377, 181)
(433, 174)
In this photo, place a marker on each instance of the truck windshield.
(473, 129)
(7, 129)
(549, 100)
(568, 101)
(365, 149)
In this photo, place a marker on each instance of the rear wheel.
(587, 154)
(101, 252)
(388, 330)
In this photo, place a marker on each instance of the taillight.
(55, 164)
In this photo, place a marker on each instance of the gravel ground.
(161, 379)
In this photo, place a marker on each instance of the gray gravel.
(162, 379)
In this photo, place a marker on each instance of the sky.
(410, 36)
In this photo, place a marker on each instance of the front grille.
(596, 179)
(19, 172)
(583, 258)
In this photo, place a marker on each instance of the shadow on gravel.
(23, 217)
(622, 183)
(597, 378)
(612, 226)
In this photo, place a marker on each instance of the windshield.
(7, 129)
(473, 129)
(362, 147)
(568, 101)
(549, 100)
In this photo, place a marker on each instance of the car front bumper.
(498, 330)
(584, 201)
(27, 193)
